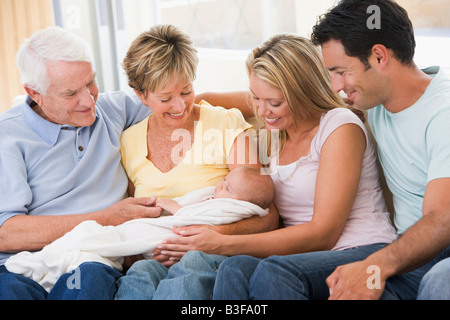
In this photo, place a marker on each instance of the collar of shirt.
(48, 131)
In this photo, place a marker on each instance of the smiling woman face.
(173, 106)
(271, 104)
(71, 95)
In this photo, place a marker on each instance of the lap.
(324, 261)
(17, 287)
(298, 276)
(94, 281)
(435, 285)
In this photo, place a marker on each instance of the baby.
(243, 193)
(242, 183)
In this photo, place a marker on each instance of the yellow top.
(204, 165)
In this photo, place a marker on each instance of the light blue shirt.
(414, 147)
(49, 169)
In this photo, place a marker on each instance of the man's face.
(71, 95)
(363, 87)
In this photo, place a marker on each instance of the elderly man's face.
(71, 95)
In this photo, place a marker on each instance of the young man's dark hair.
(347, 23)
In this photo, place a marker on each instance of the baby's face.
(231, 187)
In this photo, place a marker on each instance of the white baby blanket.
(89, 241)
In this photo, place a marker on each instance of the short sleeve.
(123, 108)
(334, 119)
(438, 146)
(15, 193)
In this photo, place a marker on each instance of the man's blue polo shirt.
(49, 169)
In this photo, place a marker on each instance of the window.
(224, 31)
(229, 24)
(432, 29)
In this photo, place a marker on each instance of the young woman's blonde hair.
(156, 55)
(292, 64)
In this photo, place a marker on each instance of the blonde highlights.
(292, 64)
(156, 55)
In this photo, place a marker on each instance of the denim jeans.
(300, 276)
(95, 281)
(192, 278)
(435, 285)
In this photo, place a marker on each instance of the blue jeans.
(95, 281)
(190, 279)
(300, 276)
(435, 285)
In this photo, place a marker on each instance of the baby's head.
(247, 184)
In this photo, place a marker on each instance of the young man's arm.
(417, 246)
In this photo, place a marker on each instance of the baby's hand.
(168, 204)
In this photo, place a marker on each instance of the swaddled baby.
(243, 193)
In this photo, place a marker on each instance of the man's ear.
(36, 96)
(380, 55)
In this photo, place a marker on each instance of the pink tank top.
(368, 222)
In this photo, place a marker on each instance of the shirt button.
(81, 148)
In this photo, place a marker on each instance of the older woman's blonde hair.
(292, 64)
(156, 55)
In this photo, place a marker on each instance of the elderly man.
(60, 163)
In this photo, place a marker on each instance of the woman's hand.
(191, 238)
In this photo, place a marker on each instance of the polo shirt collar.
(49, 132)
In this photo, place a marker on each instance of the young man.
(409, 112)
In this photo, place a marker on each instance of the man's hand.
(132, 208)
(356, 281)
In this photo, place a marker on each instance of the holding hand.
(130, 209)
(168, 204)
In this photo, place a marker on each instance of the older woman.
(181, 146)
(327, 188)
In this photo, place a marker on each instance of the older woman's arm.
(233, 99)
